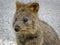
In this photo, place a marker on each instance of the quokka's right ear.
(18, 5)
(34, 7)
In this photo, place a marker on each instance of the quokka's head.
(26, 18)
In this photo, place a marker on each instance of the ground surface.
(49, 12)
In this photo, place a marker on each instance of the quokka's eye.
(25, 20)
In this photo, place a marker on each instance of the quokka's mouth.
(24, 31)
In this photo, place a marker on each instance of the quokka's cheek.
(13, 24)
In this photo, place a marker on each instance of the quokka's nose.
(17, 28)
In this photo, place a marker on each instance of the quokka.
(29, 29)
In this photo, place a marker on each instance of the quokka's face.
(25, 22)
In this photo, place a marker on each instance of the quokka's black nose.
(17, 28)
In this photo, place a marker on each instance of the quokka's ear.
(18, 5)
(34, 7)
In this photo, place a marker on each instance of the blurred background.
(49, 12)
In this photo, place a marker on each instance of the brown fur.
(34, 31)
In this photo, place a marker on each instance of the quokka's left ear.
(34, 7)
(18, 5)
